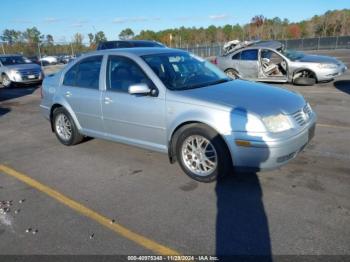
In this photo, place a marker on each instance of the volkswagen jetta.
(173, 102)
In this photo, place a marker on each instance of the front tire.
(202, 153)
(65, 128)
(6, 82)
(305, 78)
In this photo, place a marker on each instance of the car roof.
(131, 41)
(139, 51)
(7, 55)
(269, 44)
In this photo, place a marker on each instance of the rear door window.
(251, 55)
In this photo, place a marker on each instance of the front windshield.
(293, 55)
(182, 71)
(13, 60)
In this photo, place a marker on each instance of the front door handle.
(108, 100)
(68, 94)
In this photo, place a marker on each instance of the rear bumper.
(267, 155)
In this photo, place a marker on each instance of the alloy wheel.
(63, 127)
(199, 155)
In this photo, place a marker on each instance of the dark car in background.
(128, 44)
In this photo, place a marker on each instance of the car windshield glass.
(182, 71)
(293, 55)
(13, 60)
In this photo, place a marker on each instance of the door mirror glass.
(139, 89)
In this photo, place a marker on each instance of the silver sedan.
(262, 63)
(173, 102)
(15, 69)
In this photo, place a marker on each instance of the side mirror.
(140, 89)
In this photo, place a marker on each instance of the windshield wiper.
(208, 83)
(224, 80)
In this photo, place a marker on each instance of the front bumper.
(329, 74)
(267, 155)
(26, 79)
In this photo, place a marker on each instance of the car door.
(80, 89)
(272, 66)
(134, 119)
(249, 64)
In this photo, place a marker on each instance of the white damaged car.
(267, 61)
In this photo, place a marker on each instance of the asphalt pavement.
(302, 208)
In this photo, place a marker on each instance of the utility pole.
(71, 47)
(41, 61)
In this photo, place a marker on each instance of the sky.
(64, 18)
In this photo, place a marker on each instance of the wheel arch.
(4, 74)
(70, 111)
(234, 69)
(298, 70)
(175, 134)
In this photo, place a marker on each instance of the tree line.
(332, 23)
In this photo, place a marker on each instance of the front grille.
(28, 72)
(303, 115)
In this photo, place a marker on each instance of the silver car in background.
(173, 102)
(15, 69)
(262, 62)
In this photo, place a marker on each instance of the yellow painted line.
(117, 228)
(334, 126)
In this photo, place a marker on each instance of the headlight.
(14, 72)
(327, 66)
(14, 75)
(277, 123)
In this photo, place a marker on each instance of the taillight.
(215, 61)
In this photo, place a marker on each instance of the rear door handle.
(108, 100)
(68, 94)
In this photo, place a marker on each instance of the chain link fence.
(38, 51)
(35, 51)
(320, 43)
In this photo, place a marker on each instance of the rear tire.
(65, 128)
(202, 153)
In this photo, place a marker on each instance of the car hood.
(261, 99)
(23, 66)
(318, 59)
